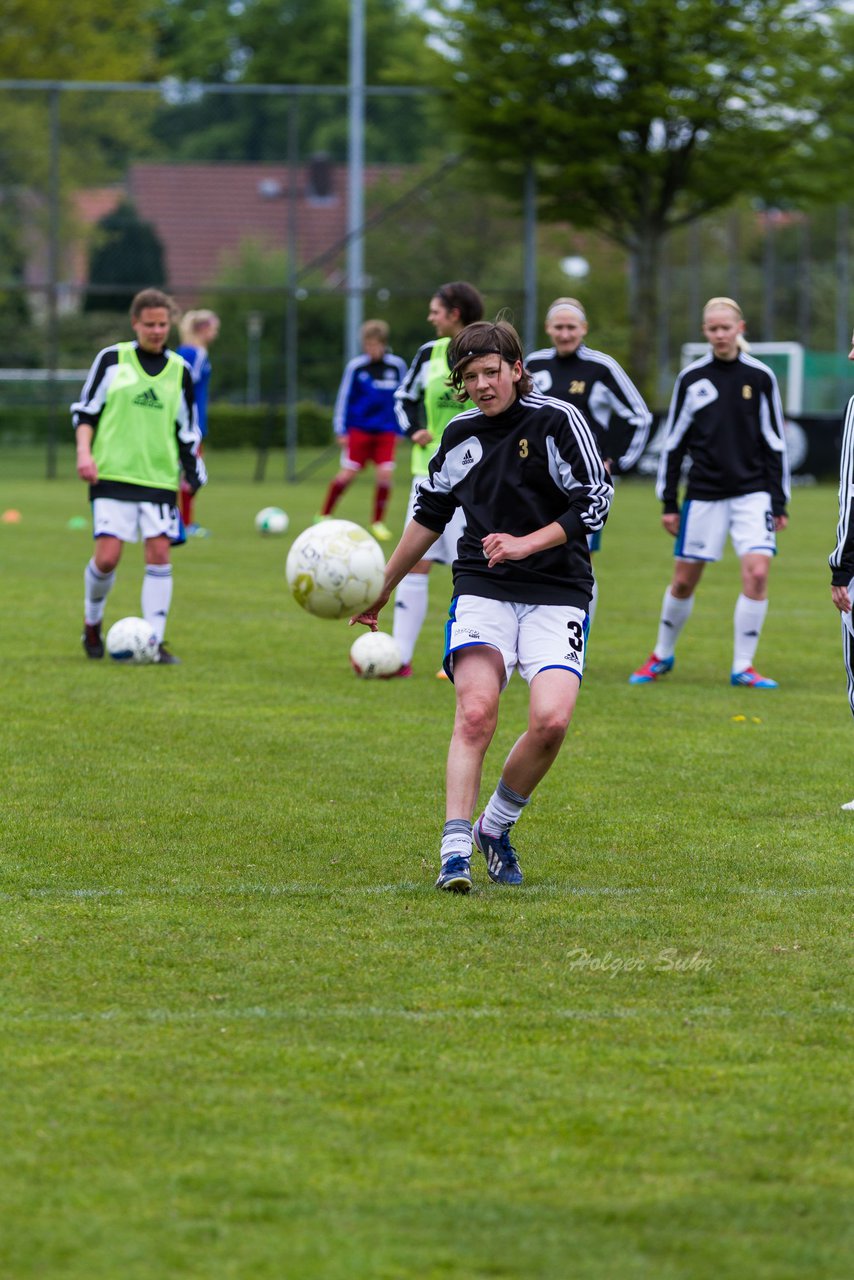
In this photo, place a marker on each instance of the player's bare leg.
(553, 697)
(552, 702)
(478, 677)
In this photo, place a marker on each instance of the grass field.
(243, 1035)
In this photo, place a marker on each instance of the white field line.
(222, 1013)
(548, 890)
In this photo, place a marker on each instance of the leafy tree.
(301, 42)
(127, 253)
(80, 40)
(643, 115)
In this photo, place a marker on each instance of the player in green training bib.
(425, 402)
(136, 430)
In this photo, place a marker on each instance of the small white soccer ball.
(272, 520)
(374, 655)
(132, 641)
(335, 568)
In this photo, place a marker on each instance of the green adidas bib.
(135, 440)
(440, 405)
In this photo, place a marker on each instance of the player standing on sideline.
(527, 474)
(425, 403)
(364, 416)
(725, 414)
(198, 330)
(136, 426)
(595, 384)
(841, 559)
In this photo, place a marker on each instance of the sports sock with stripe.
(674, 614)
(503, 809)
(747, 628)
(456, 839)
(97, 587)
(157, 597)
(410, 610)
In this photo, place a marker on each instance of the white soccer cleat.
(849, 805)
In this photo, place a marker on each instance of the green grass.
(243, 1036)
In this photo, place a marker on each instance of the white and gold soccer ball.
(335, 568)
(272, 520)
(374, 655)
(132, 641)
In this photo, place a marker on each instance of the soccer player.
(595, 384)
(136, 427)
(364, 416)
(528, 477)
(425, 403)
(842, 557)
(726, 415)
(198, 330)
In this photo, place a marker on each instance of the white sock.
(594, 600)
(410, 610)
(157, 596)
(674, 614)
(97, 587)
(456, 839)
(747, 627)
(503, 809)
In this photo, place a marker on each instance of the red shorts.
(368, 446)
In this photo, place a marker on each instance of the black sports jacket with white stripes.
(841, 559)
(514, 473)
(604, 393)
(726, 415)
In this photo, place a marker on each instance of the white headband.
(565, 306)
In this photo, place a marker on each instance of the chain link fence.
(234, 197)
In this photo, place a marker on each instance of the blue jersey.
(365, 399)
(200, 368)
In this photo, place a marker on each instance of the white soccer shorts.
(703, 528)
(529, 637)
(130, 521)
(444, 549)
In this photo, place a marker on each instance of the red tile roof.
(202, 211)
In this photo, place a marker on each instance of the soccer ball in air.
(272, 520)
(374, 655)
(335, 569)
(132, 641)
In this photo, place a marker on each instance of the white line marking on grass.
(354, 1013)
(297, 888)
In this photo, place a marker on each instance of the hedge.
(230, 426)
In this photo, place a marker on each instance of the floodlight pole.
(843, 278)
(355, 179)
(530, 267)
(53, 283)
(292, 305)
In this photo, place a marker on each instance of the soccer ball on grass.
(132, 641)
(374, 655)
(335, 569)
(272, 520)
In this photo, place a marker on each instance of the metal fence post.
(53, 282)
(291, 306)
